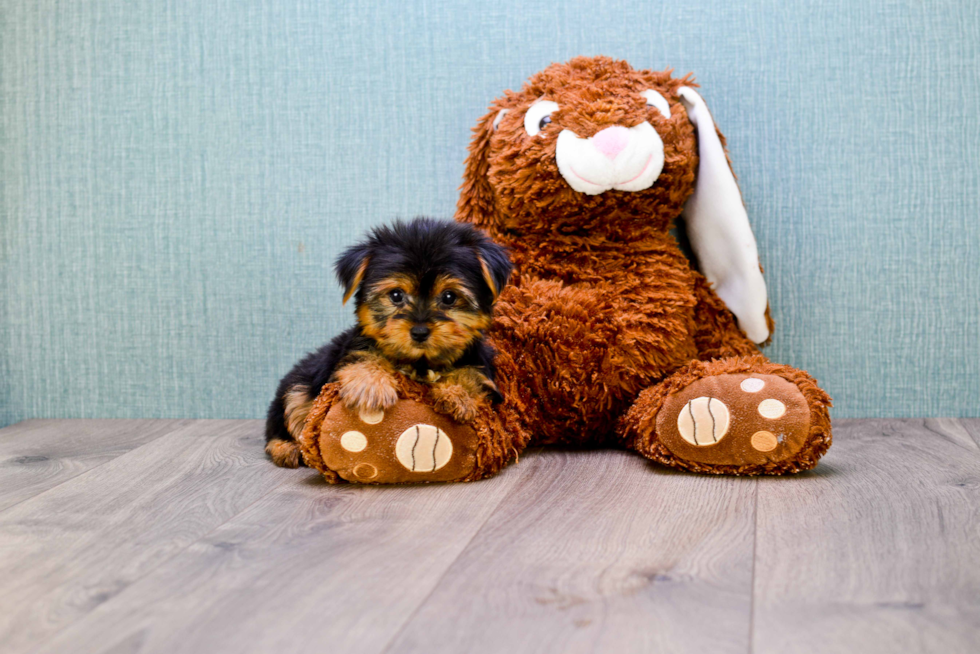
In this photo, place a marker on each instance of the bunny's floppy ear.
(719, 230)
(476, 202)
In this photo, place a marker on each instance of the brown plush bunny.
(607, 335)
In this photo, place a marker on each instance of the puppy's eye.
(538, 116)
(397, 296)
(654, 99)
(448, 298)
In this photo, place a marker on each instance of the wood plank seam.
(150, 571)
(755, 547)
(872, 552)
(176, 426)
(975, 433)
(337, 514)
(137, 452)
(476, 532)
(970, 438)
(638, 550)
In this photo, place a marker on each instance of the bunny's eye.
(538, 116)
(500, 117)
(654, 99)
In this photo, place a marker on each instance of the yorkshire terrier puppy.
(424, 294)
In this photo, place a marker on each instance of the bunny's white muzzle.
(615, 158)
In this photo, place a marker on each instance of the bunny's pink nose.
(611, 140)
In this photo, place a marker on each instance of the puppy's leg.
(283, 429)
(367, 382)
(459, 392)
(294, 399)
(284, 454)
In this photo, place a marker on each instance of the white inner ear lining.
(718, 227)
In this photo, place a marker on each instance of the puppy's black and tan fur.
(424, 294)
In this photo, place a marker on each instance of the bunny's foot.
(406, 443)
(733, 416)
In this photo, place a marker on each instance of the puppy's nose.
(419, 333)
(611, 140)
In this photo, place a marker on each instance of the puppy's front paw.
(453, 400)
(367, 387)
(374, 397)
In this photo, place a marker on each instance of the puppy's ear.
(350, 268)
(718, 227)
(495, 264)
(476, 201)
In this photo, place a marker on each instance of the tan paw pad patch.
(365, 471)
(772, 409)
(703, 421)
(764, 441)
(424, 448)
(353, 441)
(371, 417)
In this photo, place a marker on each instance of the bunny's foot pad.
(406, 443)
(735, 420)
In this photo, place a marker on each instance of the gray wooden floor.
(178, 536)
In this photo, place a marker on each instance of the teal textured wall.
(177, 177)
